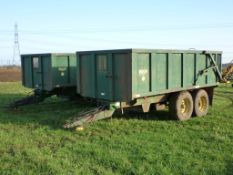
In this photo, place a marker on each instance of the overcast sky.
(71, 25)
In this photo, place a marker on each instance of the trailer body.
(131, 74)
(48, 71)
(117, 80)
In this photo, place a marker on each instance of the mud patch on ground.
(11, 74)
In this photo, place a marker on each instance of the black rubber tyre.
(181, 106)
(201, 103)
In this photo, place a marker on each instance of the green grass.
(33, 142)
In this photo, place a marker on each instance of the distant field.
(10, 74)
(33, 142)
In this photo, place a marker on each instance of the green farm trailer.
(48, 74)
(151, 79)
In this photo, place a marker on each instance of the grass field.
(33, 142)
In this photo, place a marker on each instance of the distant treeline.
(10, 66)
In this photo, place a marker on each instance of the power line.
(164, 27)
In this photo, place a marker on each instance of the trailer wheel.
(201, 103)
(181, 106)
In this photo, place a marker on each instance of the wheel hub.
(185, 106)
(202, 104)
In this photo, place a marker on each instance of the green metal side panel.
(27, 71)
(104, 76)
(211, 78)
(86, 77)
(141, 73)
(172, 70)
(46, 72)
(73, 69)
(188, 70)
(125, 75)
(201, 65)
(63, 70)
(122, 76)
(35, 70)
(60, 70)
(37, 66)
(134, 77)
(175, 69)
(159, 72)
(49, 71)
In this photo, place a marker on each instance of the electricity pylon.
(16, 52)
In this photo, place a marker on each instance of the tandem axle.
(182, 105)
